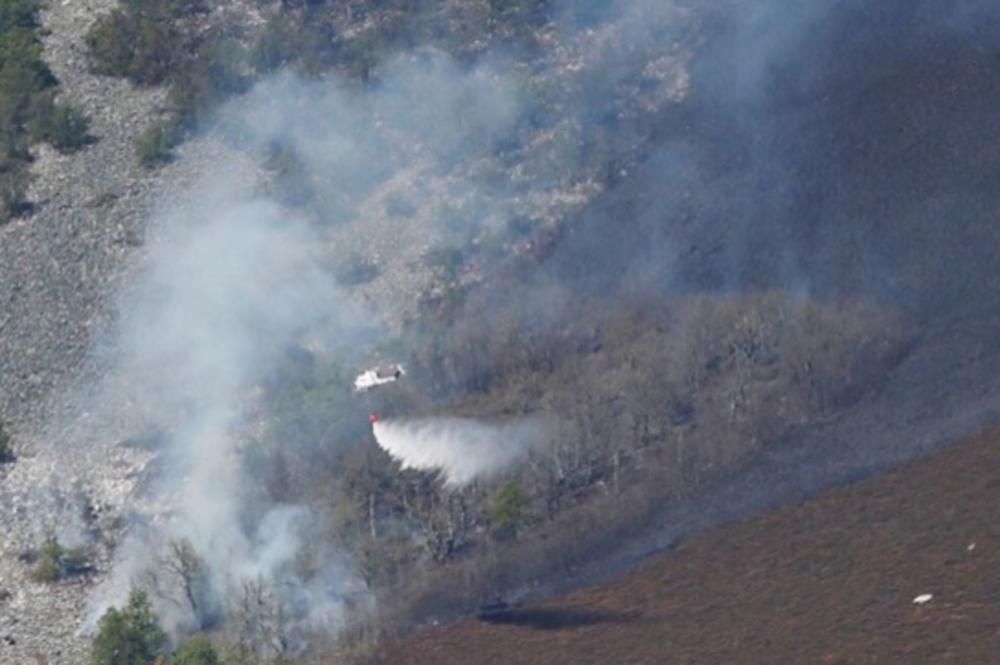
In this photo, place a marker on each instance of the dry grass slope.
(829, 581)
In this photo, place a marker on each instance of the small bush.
(18, 14)
(26, 84)
(279, 45)
(109, 50)
(65, 127)
(446, 261)
(155, 146)
(217, 69)
(509, 507)
(130, 636)
(164, 9)
(6, 447)
(357, 270)
(56, 562)
(198, 651)
(135, 47)
(20, 44)
(14, 179)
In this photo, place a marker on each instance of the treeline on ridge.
(648, 401)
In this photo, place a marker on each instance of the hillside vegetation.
(831, 580)
(28, 111)
(203, 62)
(670, 251)
(652, 394)
(650, 403)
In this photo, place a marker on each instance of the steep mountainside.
(667, 264)
(895, 568)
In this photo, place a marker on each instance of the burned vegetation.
(645, 404)
(702, 299)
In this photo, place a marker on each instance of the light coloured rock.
(61, 268)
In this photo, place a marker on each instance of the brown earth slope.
(831, 580)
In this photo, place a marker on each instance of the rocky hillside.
(65, 266)
(727, 255)
(60, 268)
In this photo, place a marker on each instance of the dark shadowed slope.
(832, 580)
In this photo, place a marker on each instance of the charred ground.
(832, 580)
(736, 254)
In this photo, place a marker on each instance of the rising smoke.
(234, 277)
(229, 284)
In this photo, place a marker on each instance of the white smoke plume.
(230, 283)
(462, 449)
(232, 279)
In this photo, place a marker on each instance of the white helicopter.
(378, 376)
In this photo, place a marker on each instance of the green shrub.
(110, 51)
(25, 85)
(130, 636)
(65, 127)
(47, 570)
(26, 110)
(216, 70)
(290, 177)
(135, 47)
(56, 562)
(164, 9)
(155, 146)
(19, 44)
(305, 41)
(18, 14)
(356, 270)
(509, 507)
(198, 651)
(14, 179)
(6, 448)
(279, 45)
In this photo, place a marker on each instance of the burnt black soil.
(831, 580)
(879, 133)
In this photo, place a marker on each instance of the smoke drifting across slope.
(722, 197)
(462, 449)
(230, 283)
(232, 279)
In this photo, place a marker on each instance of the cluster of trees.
(164, 43)
(55, 561)
(142, 40)
(178, 44)
(257, 630)
(354, 36)
(651, 396)
(133, 636)
(28, 111)
(650, 399)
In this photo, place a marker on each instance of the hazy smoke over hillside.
(462, 449)
(232, 280)
(230, 283)
(705, 192)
